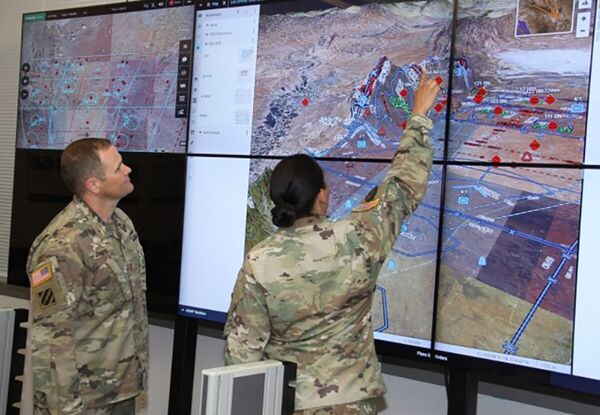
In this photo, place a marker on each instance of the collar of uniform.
(122, 222)
(104, 228)
(307, 222)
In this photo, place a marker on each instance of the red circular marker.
(404, 125)
(550, 100)
(439, 80)
(381, 131)
(478, 98)
(496, 160)
(553, 125)
(498, 110)
(534, 145)
(482, 91)
(305, 102)
(439, 107)
(403, 93)
(367, 112)
(534, 100)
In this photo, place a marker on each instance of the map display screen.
(509, 264)
(340, 82)
(521, 81)
(119, 72)
(272, 80)
(403, 303)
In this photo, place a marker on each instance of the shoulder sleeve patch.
(47, 294)
(363, 207)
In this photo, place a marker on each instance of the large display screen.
(501, 275)
(521, 81)
(509, 264)
(120, 72)
(213, 253)
(287, 77)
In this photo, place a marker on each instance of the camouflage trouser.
(126, 407)
(366, 407)
(133, 406)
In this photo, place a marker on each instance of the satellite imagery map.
(508, 265)
(403, 304)
(510, 236)
(520, 98)
(111, 76)
(318, 98)
(340, 82)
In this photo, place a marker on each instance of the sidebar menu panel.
(223, 80)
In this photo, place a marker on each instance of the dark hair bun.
(293, 188)
(284, 215)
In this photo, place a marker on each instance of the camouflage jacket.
(304, 294)
(89, 338)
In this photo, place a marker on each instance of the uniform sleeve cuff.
(422, 120)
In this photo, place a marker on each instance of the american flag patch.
(363, 207)
(41, 274)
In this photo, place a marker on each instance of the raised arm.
(379, 221)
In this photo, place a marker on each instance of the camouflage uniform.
(304, 294)
(364, 407)
(89, 338)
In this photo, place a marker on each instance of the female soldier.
(304, 294)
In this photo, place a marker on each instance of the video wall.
(496, 264)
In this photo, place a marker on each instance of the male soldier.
(89, 338)
(304, 294)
